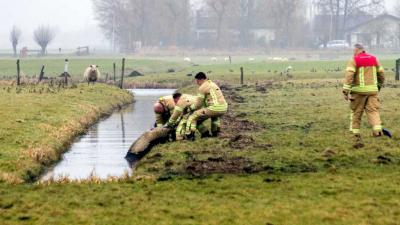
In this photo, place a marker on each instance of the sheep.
(187, 59)
(91, 74)
(251, 59)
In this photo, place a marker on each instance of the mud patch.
(240, 141)
(231, 125)
(219, 165)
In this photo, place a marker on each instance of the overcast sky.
(73, 19)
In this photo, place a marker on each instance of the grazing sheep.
(91, 74)
(187, 59)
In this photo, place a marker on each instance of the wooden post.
(18, 73)
(106, 78)
(397, 70)
(66, 72)
(230, 60)
(122, 73)
(41, 75)
(241, 76)
(114, 68)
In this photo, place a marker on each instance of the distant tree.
(43, 36)
(221, 10)
(341, 10)
(150, 22)
(15, 35)
(289, 21)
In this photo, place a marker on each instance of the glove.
(168, 126)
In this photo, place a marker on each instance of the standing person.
(363, 80)
(163, 109)
(210, 103)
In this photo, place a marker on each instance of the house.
(206, 25)
(330, 27)
(380, 32)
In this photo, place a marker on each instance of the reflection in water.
(102, 150)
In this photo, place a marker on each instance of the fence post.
(18, 73)
(66, 72)
(397, 70)
(41, 75)
(114, 69)
(122, 73)
(241, 75)
(106, 78)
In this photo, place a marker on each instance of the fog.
(74, 21)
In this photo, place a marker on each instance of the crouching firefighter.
(363, 80)
(163, 109)
(210, 103)
(180, 114)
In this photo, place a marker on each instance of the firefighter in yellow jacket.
(181, 114)
(163, 109)
(363, 80)
(210, 103)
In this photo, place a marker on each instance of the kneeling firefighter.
(210, 103)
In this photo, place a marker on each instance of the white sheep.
(187, 59)
(91, 74)
(251, 59)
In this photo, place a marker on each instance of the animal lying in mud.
(91, 74)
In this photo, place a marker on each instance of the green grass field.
(285, 157)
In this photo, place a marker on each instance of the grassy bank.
(38, 123)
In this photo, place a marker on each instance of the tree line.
(127, 23)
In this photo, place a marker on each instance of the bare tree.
(15, 35)
(246, 13)
(288, 20)
(341, 10)
(43, 36)
(150, 22)
(221, 9)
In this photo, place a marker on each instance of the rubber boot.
(358, 143)
(377, 133)
(205, 134)
(191, 136)
(216, 132)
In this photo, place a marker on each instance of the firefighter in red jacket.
(364, 79)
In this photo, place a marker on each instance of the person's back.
(213, 94)
(364, 75)
(163, 109)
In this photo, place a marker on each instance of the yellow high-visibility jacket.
(169, 105)
(364, 75)
(210, 96)
(185, 101)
